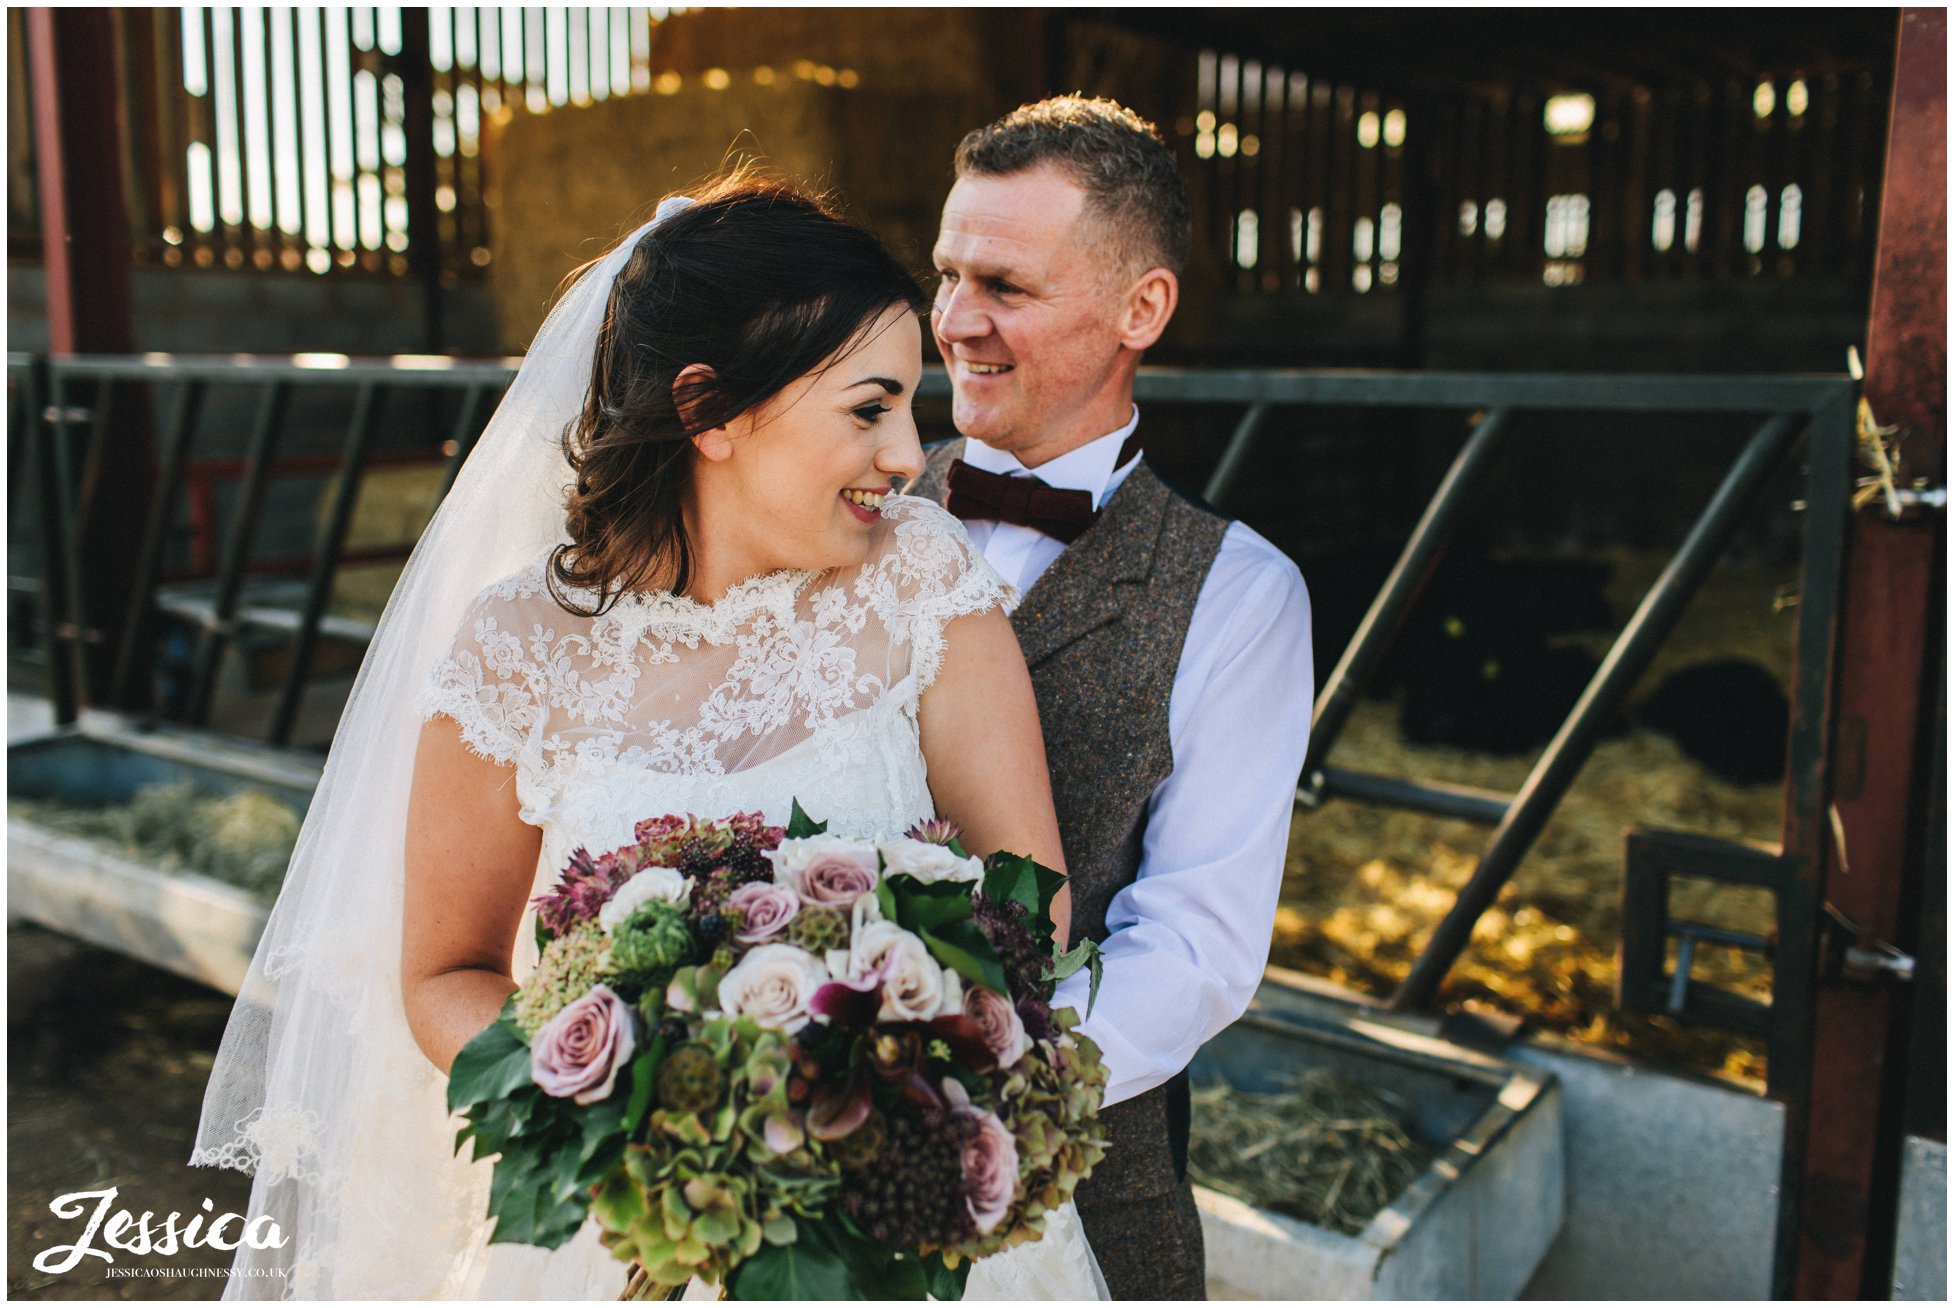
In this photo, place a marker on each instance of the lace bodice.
(794, 685)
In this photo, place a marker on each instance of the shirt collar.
(1088, 468)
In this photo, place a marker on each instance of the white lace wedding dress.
(794, 685)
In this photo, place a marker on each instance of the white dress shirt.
(1190, 936)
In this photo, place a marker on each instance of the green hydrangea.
(649, 946)
(1050, 1103)
(571, 964)
(678, 1215)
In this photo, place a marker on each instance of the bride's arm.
(470, 865)
(985, 751)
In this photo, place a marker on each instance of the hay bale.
(1322, 1149)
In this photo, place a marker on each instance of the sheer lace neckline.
(774, 592)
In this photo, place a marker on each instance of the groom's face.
(1023, 316)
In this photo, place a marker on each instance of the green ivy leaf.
(495, 1063)
(1084, 954)
(944, 1284)
(800, 826)
(962, 947)
(530, 1204)
(809, 1268)
(644, 1077)
(1011, 876)
(923, 906)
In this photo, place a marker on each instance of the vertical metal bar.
(1570, 748)
(462, 437)
(237, 547)
(1234, 455)
(184, 409)
(325, 560)
(49, 517)
(100, 413)
(1890, 619)
(1807, 825)
(65, 538)
(424, 252)
(1401, 590)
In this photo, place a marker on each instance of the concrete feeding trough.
(192, 925)
(1474, 1225)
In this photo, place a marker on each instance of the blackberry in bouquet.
(792, 1064)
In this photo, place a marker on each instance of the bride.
(671, 578)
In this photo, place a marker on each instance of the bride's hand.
(986, 752)
(471, 863)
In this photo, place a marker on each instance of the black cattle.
(1476, 661)
(1730, 715)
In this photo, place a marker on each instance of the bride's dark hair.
(759, 281)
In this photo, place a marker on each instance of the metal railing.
(1783, 407)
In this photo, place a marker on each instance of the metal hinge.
(1852, 953)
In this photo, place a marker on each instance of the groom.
(1169, 647)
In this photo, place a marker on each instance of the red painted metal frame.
(1843, 1143)
(78, 146)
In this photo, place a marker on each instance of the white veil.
(318, 1088)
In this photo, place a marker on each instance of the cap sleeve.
(930, 575)
(485, 682)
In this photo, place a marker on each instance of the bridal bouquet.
(792, 1064)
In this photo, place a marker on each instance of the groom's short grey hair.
(1134, 190)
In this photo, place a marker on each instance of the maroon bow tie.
(1026, 501)
(1064, 515)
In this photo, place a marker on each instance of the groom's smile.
(1023, 317)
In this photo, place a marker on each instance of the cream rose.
(998, 1019)
(826, 869)
(926, 861)
(915, 987)
(668, 884)
(772, 985)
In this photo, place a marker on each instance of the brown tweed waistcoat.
(1102, 632)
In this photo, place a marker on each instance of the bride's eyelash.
(871, 413)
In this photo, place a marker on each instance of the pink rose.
(990, 1162)
(765, 907)
(578, 1052)
(1002, 1028)
(827, 869)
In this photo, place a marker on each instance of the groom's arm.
(1190, 936)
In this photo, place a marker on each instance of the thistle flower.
(935, 831)
(570, 967)
(584, 888)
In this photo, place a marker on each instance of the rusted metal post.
(1870, 848)
(79, 146)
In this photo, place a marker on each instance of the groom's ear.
(689, 389)
(1149, 303)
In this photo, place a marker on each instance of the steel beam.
(1400, 591)
(1569, 750)
(1868, 859)
(325, 560)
